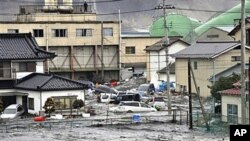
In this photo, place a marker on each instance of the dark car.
(105, 89)
(146, 89)
(127, 97)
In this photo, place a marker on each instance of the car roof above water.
(13, 106)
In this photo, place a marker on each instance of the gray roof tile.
(48, 82)
(21, 47)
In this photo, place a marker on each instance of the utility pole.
(166, 42)
(243, 73)
(120, 46)
(190, 95)
(102, 63)
(248, 90)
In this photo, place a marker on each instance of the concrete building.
(133, 54)
(86, 48)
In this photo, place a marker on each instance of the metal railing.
(28, 9)
(27, 125)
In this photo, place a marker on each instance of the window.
(235, 58)
(195, 65)
(248, 37)
(38, 32)
(31, 103)
(64, 102)
(1, 69)
(83, 32)
(232, 113)
(13, 31)
(130, 50)
(107, 31)
(27, 67)
(213, 36)
(59, 32)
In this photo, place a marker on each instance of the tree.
(49, 106)
(77, 104)
(1, 104)
(222, 84)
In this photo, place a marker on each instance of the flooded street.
(136, 132)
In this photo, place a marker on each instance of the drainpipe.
(47, 49)
(39, 89)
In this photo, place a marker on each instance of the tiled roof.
(21, 47)
(48, 82)
(233, 91)
(206, 49)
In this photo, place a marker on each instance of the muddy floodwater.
(135, 132)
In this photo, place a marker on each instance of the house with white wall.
(157, 59)
(231, 104)
(21, 75)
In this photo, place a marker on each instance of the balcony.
(74, 9)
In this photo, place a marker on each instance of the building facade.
(85, 48)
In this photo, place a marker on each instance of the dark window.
(213, 36)
(1, 69)
(195, 65)
(83, 32)
(130, 50)
(38, 32)
(27, 67)
(248, 37)
(13, 31)
(107, 31)
(59, 32)
(235, 58)
(31, 103)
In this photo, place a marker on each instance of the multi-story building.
(85, 47)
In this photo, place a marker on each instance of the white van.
(108, 98)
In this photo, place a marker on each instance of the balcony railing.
(7, 73)
(77, 9)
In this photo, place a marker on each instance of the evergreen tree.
(222, 84)
(77, 104)
(49, 106)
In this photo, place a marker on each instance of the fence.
(218, 124)
(26, 125)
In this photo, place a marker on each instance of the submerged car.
(146, 89)
(12, 111)
(132, 106)
(158, 103)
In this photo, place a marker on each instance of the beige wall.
(238, 34)
(229, 99)
(71, 40)
(222, 35)
(140, 43)
(205, 70)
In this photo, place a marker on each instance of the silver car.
(12, 111)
